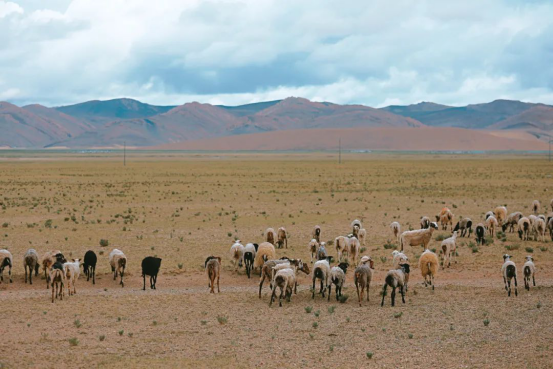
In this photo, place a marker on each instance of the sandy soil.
(183, 210)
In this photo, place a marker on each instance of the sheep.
(270, 236)
(321, 251)
(249, 257)
(480, 232)
(6, 260)
(532, 218)
(282, 239)
(285, 279)
(118, 262)
(500, 214)
(342, 246)
(509, 271)
(428, 264)
(354, 249)
(316, 234)
(463, 225)
(362, 279)
(237, 254)
(447, 250)
(398, 258)
(542, 217)
(313, 246)
(425, 222)
(338, 278)
(265, 251)
(361, 236)
(536, 206)
(150, 266)
(213, 269)
(395, 278)
(267, 271)
(488, 214)
(551, 204)
(71, 271)
(523, 228)
(89, 265)
(356, 226)
(58, 280)
(529, 270)
(48, 259)
(295, 264)
(539, 229)
(418, 237)
(512, 221)
(491, 223)
(445, 217)
(396, 228)
(321, 271)
(30, 261)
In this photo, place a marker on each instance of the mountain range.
(116, 122)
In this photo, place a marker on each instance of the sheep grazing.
(316, 234)
(445, 217)
(396, 228)
(321, 271)
(282, 239)
(529, 270)
(267, 272)
(539, 229)
(512, 221)
(6, 261)
(321, 251)
(270, 236)
(480, 232)
(48, 259)
(523, 228)
(213, 269)
(428, 264)
(398, 258)
(338, 278)
(464, 225)
(294, 264)
(491, 223)
(500, 214)
(425, 222)
(448, 249)
(488, 214)
(342, 246)
(313, 246)
(30, 262)
(509, 271)
(536, 206)
(58, 280)
(354, 249)
(118, 262)
(249, 257)
(265, 251)
(395, 278)
(285, 279)
(89, 265)
(362, 279)
(417, 237)
(237, 254)
(356, 226)
(72, 270)
(150, 267)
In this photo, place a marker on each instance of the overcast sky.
(377, 53)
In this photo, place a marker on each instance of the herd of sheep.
(282, 273)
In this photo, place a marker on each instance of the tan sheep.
(428, 264)
(500, 214)
(342, 247)
(265, 251)
(354, 249)
(425, 222)
(448, 249)
(213, 269)
(313, 246)
(491, 223)
(536, 206)
(445, 217)
(523, 228)
(396, 228)
(417, 237)
(282, 239)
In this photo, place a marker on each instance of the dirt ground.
(183, 208)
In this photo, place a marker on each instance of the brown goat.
(213, 267)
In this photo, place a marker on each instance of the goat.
(89, 265)
(150, 267)
(213, 268)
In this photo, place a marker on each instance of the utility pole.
(124, 153)
(340, 150)
(549, 149)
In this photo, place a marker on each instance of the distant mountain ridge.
(116, 122)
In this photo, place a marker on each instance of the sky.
(376, 53)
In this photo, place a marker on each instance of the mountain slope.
(100, 112)
(71, 124)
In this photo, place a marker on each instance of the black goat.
(150, 266)
(89, 265)
(480, 231)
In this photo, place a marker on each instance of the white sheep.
(6, 260)
(464, 225)
(285, 279)
(118, 263)
(321, 271)
(491, 223)
(539, 229)
(356, 226)
(512, 221)
(72, 270)
(448, 249)
(237, 254)
(509, 271)
(313, 246)
(418, 237)
(398, 258)
(529, 270)
(249, 257)
(396, 228)
(523, 228)
(536, 206)
(354, 249)
(342, 246)
(362, 236)
(425, 222)
(338, 278)
(30, 262)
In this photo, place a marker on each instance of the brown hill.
(537, 121)
(65, 122)
(379, 138)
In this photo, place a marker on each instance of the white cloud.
(7, 8)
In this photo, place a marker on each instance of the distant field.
(183, 207)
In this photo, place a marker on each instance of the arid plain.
(184, 207)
